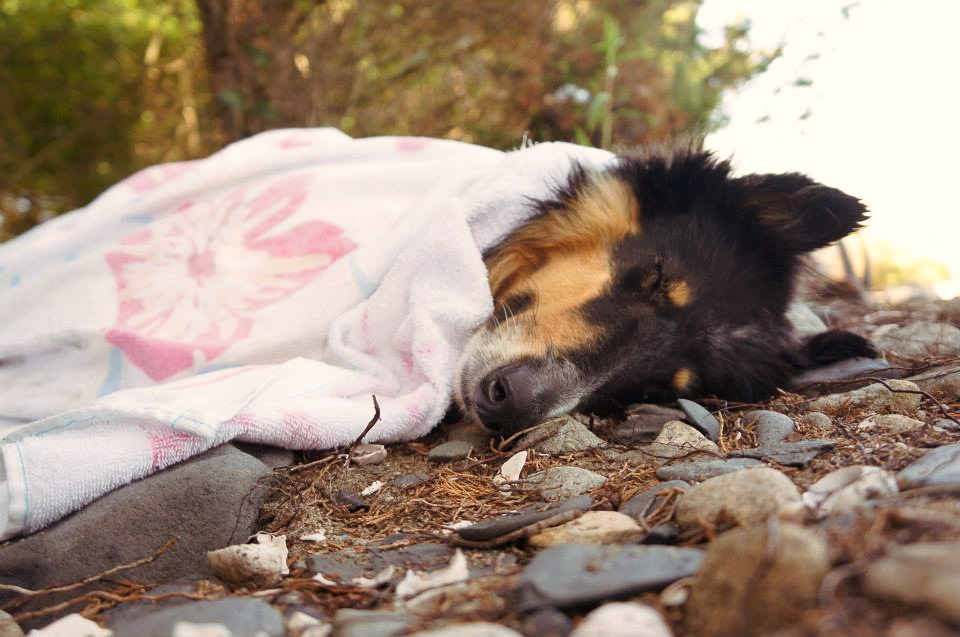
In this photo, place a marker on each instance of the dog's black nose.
(506, 399)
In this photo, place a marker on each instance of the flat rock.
(500, 526)
(701, 470)
(242, 617)
(646, 502)
(941, 381)
(875, 396)
(643, 423)
(742, 498)
(450, 450)
(790, 454)
(593, 527)
(410, 480)
(623, 619)
(926, 574)
(939, 467)
(752, 584)
(368, 560)
(561, 483)
(561, 435)
(700, 418)
(209, 502)
(680, 439)
(920, 339)
(573, 575)
(849, 370)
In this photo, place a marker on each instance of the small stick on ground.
(366, 430)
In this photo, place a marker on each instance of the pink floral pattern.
(155, 176)
(189, 284)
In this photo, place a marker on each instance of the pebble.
(500, 526)
(926, 573)
(755, 580)
(623, 619)
(241, 616)
(561, 483)
(593, 527)
(475, 629)
(791, 454)
(742, 498)
(547, 622)
(643, 424)
(697, 471)
(8, 627)
(560, 436)
(918, 340)
(815, 420)
(874, 396)
(450, 450)
(890, 423)
(941, 381)
(771, 427)
(410, 480)
(646, 502)
(73, 625)
(576, 575)
(355, 622)
(848, 488)
(939, 467)
(700, 418)
(680, 439)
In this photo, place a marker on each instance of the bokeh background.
(860, 94)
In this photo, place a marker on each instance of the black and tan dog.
(660, 277)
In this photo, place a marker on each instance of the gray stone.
(498, 527)
(209, 502)
(772, 428)
(561, 435)
(368, 560)
(243, 617)
(751, 583)
(742, 498)
(927, 574)
(917, 340)
(701, 470)
(560, 483)
(410, 480)
(904, 398)
(450, 450)
(890, 423)
(790, 454)
(273, 457)
(547, 622)
(939, 467)
(816, 420)
(574, 575)
(700, 418)
(353, 622)
(646, 502)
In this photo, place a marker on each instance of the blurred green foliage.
(91, 90)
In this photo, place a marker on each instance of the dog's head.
(662, 276)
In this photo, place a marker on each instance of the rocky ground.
(831, 509)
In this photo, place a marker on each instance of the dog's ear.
(800, 213)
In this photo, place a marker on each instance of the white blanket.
(262, 294)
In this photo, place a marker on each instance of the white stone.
(875, 396)
(475, 629)
(623, 619)
(890, 423)
(740, 498)
(680, 439)
(924, 338)
(848, 488)
(593, 527)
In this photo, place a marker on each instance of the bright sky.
(878, 119)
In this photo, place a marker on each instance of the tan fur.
(680, 294)
(684, 379)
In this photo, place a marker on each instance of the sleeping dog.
(660, 277)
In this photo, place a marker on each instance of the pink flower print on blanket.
(189, 285)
